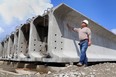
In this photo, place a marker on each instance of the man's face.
(83, 24)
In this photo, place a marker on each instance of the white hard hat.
(86, 21)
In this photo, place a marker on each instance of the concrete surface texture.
(63, 43)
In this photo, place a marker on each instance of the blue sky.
(101, 11)
(14, 13)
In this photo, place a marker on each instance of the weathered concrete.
(5, 48)
(10, 45)
(36, 46)
(15, 44)
(1, 49)
(63, 43)
(22, 42)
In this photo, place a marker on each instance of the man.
(85, 40)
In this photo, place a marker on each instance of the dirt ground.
(97, 70)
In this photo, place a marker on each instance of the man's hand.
(69, 27)
(89, 43)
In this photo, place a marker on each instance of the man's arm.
(89, 37)
(89, 43)
(72, 28)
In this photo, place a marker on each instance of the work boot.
(85, 65)
(79, 64)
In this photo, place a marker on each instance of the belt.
(83, 40)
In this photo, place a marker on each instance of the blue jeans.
(83, 49)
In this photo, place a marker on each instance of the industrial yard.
(44, 47)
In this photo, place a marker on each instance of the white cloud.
(15, 12)
(114, 31)
(1, 30)
(10, 9)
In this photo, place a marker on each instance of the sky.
(16, 12)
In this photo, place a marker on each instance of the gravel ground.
(98, 70)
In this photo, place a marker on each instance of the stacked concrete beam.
(15, 45)
(10, 45)
(47, 39)
(5, 48)
(22, 42)
(63, 43)
(1, 49)
(37, 43)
